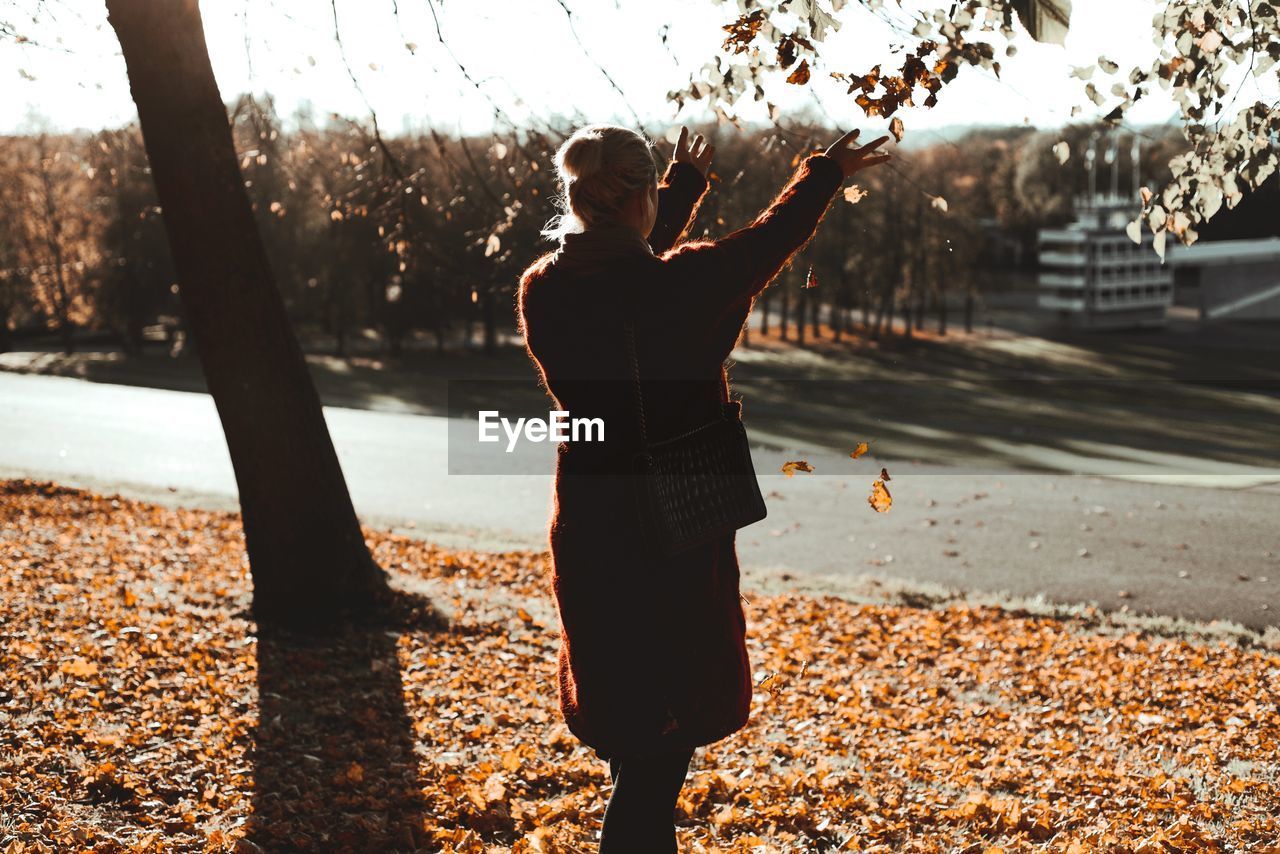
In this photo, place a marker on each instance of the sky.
(524, 57)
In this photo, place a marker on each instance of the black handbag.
(695, 487)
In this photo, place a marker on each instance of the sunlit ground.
(144, 710)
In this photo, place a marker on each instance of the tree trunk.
(968, 312)
(307, 554)
(490, 318)
(802, 304)
(942, 314)
(765, 300)
(885, 306)
(784, 314)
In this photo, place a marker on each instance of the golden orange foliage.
(143, 710)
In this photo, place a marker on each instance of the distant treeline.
(428, 233)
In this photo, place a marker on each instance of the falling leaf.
(896, 128)
(854, 194)
(858, 451)
(801, 75)
(880, 499)
(791, 468)
(939, 203)
(1062, 151)
(810, 280)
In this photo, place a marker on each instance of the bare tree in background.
(307, 555)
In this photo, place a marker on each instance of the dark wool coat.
(652, 649)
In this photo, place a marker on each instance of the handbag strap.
(635, 375)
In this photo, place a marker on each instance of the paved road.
(1164, 548)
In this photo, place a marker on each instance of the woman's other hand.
(853, 160)
(697, 154)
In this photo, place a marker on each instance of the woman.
(652, 659)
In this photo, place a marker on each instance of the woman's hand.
(697, 154)
(853, 160)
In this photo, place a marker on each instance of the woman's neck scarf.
(599, 248)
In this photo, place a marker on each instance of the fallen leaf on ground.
(922, 727)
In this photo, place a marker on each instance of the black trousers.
(640, 815)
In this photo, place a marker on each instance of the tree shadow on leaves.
(335, 764)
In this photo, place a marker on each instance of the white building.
(1095, 277)
(1091, 274)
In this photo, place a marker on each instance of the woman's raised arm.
(738, 266)
(681, 191)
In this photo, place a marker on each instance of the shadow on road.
(335, 765)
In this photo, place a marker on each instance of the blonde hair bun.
(583, 154)
(600, 167)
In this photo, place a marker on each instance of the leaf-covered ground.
(142, 710)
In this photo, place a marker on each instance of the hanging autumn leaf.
(858, 451)
(742, 31)
(801, 75)
(854, 194)
(884, 474)
(896, 128)
(880, 499)
(791, 468)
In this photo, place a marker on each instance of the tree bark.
(490, 317)
(802, 305)
(785, 314)
(307, 555)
